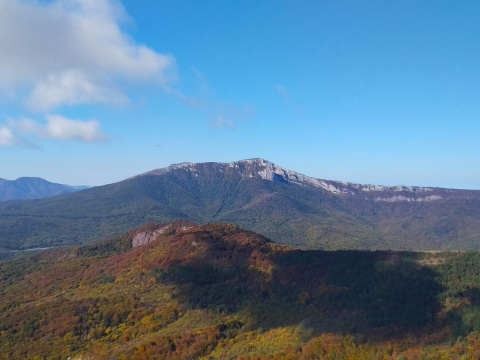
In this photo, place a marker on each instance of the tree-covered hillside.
(219, 292)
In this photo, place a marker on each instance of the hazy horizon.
(133, 175)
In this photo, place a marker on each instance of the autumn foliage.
(219, 292)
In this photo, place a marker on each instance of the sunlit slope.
(217, 291)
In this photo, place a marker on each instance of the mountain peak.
(256, 168)
(258, 195)
(258, 161)
(25, 188)
(259, 168)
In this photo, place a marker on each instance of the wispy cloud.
(226, 114)
(192, 102)
(282, 90)
(221, 113)
(59, 128)
(221, 121)
(289, 101)
(6, 136)
(67, 52)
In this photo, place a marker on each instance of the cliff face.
(150, 232)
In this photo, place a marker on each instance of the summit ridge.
(258, 195)
(267, 170)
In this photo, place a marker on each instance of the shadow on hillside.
(343, 291)
(466, 318)
(473, 295)
(354, 291)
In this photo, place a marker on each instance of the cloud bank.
(68, 52)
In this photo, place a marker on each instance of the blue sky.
(379, 92)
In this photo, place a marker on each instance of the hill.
(28, 188)
(288, 207)
(215, 291)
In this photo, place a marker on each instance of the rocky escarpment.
(262, 169)
(149, 232)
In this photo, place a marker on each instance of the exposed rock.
(149, 232)
(146, 237)
(261, 168)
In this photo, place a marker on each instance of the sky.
(378, 92)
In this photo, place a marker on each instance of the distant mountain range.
(28, 188)
(287, 207)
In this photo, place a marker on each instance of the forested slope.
(217, 291)
(287, 207)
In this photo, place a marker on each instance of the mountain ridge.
(271, 171)
(283, 205)
(32, 188)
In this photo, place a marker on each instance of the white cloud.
(6, 136)
(73, 51)
(60, 128)
(72, 87)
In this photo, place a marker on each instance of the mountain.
(257, 195)
(27, 188)
(216, 291)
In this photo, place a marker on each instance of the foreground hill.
(28, 188)
(285, 206)
(181, 291)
